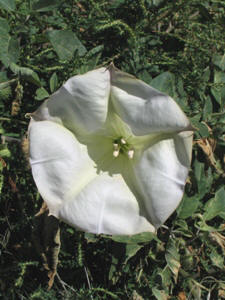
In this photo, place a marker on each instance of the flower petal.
(145, 109)
(161, 175)
(73, 188)
(105, 205)
(81, 104)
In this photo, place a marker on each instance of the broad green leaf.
(217, 259)
(182, 227)
(95, 50)
(26, 73)
(173, 258)
(166, 277)
(145, 237)
(203, 130)
(164, 83)
(195, 289)
(5, 93)
(201, 225)
(3, 76)
(53, 82)
(218, 90)
(159, 294)
(145, 76)
(9, 50)
(188, 206)
(208, 108)
(131, 250)
(4, 151)
(45, 5)
(215, 206)
(90, 237)
(206, 75)
(116, 3)
(8, 5)
(65, 42)
(219, 61)
(4, 27)
(41, 94)
(199, 171)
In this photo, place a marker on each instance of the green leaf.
(218, 90)
(215, 206)
(45, 5)
(26, 73)
(145, 76)
(41, 94)
(65, 42)
(4, 151)
(219, 61)
(188, 206)
(131, 250)
(11, 53)
(166, 277)
(217, 259)
(9, 50)
(53, 82)
(203, 129)
(200, 178)
(201, 225)
(208, 108)
(173, 258)
(4, 27)
(159, 294)
(8, 5)
(90, 237)
(144, 237)
(116, 3)
(164, 83)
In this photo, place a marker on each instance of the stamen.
(115, 146)
(116, 153)
(123, 141)
(130, 153)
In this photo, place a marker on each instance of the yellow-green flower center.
(121, 146)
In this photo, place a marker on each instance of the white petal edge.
(161, 175)
(145, 109)
(68, 181)
(81, 104)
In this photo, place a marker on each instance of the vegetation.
(175, 46)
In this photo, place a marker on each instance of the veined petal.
(145, 109)
(74, 190)
(59, 162)
(81, 104)
(161, 175)
(105, 205)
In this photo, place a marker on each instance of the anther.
(130, 153)
(116, 153)
(123, 141)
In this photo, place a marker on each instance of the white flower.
(110, 154)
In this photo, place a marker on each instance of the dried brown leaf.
(46, 237)
(208, 146)
(182, 296)
(219, 239)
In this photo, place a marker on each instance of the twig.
(64, 284)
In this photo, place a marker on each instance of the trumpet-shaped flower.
(110, 154)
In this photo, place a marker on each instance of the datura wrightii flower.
(110, 154)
